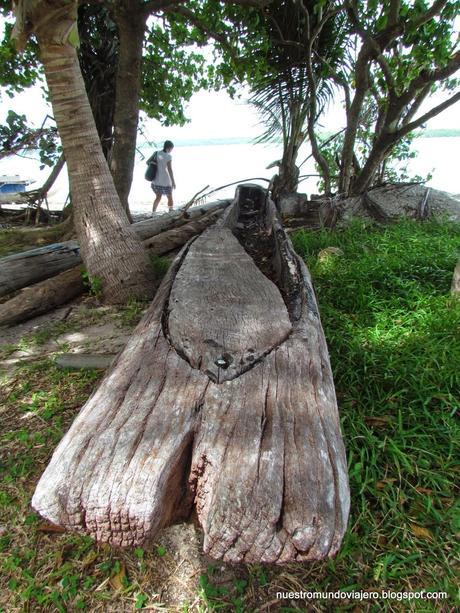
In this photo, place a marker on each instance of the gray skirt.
(162, 190)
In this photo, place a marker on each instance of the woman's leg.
(156, 202)
(170, 201)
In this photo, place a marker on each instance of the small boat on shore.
(11, 189)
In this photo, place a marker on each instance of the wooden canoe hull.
(254, 446)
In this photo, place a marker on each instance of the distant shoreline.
(247, 140)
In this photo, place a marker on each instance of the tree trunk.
(353, 117)
(110, 248)
(287, 179)
(131, 29)
(318, 156)
(42, 297)
(363, 181)
(23, 269)
(225, 404)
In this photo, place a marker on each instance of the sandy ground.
(102, 334)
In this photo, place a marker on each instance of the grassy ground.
(393, 333)
(22, 239)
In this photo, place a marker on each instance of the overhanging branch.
(421, 120)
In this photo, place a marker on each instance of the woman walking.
(163, 184)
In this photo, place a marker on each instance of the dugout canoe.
(221, 406)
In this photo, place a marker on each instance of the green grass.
(15, 240)
(393, 335)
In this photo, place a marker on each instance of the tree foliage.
(292, 94)
(98, 57)
(404, 52)
(17, 137)
(387, 58)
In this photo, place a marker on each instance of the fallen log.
(42, 297)
(167, 241)
(166, 221)
(62, 287)
(222, 401)
(23, 269)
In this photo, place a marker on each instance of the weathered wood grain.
(176, 237)
(223, 313)
(260, 456)
(23, 269)
(42, 297)
(174, 219)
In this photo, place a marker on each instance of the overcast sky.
(212, 114)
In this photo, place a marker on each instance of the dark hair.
(168, 145)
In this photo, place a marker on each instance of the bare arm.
(170, 170)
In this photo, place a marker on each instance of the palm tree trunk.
(110, 248)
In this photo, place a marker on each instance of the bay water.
(214, 165)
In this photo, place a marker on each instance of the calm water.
(216, 165)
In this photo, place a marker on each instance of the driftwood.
(42, 297)
(222, 401)
(167, 241)
(166, 221)
(23, 269)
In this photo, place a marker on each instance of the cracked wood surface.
(224, 314)
(259, 456)
(22, 269)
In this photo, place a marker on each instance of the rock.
(329, 252)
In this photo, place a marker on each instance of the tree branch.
(152, 6)
(416, 104)
(393, 12)
(421, 120)
(430, 76)
(430, 13)
(380, 59)
(328, 14)
(258, 4)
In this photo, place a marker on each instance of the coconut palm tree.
(111, 251)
